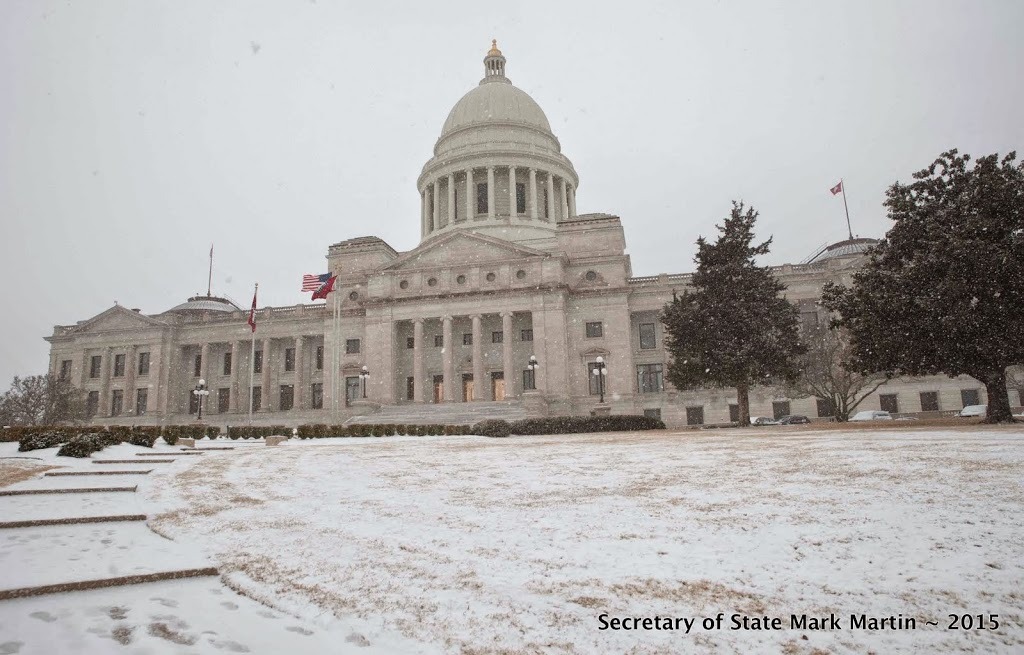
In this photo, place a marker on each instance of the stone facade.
(505, 270)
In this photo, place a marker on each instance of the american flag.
(314, 282)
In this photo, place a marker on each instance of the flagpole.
(209, 279)
(252, 358)
(842, 185)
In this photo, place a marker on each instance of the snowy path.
(465, 544)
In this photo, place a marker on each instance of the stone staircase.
(445, 413)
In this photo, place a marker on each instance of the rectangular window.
(257, 398)
(317, 395)
(695, 415)
(455, 199)
(970, 397)
(227, 363)
(497, 337)
(653, 413)
(143, 363)
(595, 381)
(119, 366)
(526, 335)
(887, 402)
(92, 403)
(223, 400)
(647, 338)
(319, 358)
(780, 408)
(547, 205)
(287, 397)
(929, 401)
(116, 402)
(529, 380)
(595, 329)
(351, 346)
(94, 366)
(410, 343)
(289, 359)
(197, 367)
(824, 408)
(520, 198)
(481, 198)
(467, 339)
(257, 362)
(439, 341)
(734, 413)
(65, 369)
(650, 378)
(410, 388)
(141, 401)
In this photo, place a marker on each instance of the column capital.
(418, 321)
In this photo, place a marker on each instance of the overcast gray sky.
(133, 134)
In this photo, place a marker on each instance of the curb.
(32, 492)
(131, 461)
(174, 454)
(189, 451)
(61, 473)
(74, 521)
(8, 594)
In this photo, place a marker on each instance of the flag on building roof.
(314, 282)
(837, 189)
(252, 312)
(325, 288)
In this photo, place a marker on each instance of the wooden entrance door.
(467, 387)
(438, 388)
(498, 385)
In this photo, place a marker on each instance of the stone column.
(512, 205)
(437, 204)
(236, 365)
(417, 360)
(507, 363)
(470, 196)
(130, 367)
(533, 193)
(490, 193)
(449, 359)
(551, 197)
(265, 377)
(563, 198)
(105, 371)
(451, 198)
(300, 380)
(204, 363)
(424, 214)
(572, 202)
(479, 385)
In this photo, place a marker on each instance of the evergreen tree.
(734, 328)
(944, 291)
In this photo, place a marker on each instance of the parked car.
(872, 415)
(762, 420)
(973, 411)
(795, 419)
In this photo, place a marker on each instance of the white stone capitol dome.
(496, 100)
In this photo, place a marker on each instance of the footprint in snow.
(228, 604)
(228, 645)
(166, 602)
(43, 616)
(267, 615)
(11, 647)
(299, 629)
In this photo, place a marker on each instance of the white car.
(872, 415)
(973, 410)
(762, 420)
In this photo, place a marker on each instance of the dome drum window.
(491, 277)
(354, 295)
(404, 284)
(520, 274)
(461, 279)
(432, 282)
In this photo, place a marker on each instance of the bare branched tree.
(42, 400)
(824, 373)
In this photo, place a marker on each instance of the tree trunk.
(743, 400)
(998, 398)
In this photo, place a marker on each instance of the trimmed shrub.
(83, 445)
(38, 441)
(139, 438)
(171, 439)
(493, 428)
(389, 430)
(580, 424)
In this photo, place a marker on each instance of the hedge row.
(257, 431)
(320, 431)
(37, 437)
(567, 425)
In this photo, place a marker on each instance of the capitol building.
(506, 270)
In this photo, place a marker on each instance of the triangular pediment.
(117, 318)
(461, 248)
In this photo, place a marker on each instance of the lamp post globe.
(200, 392)
(600, 372)
(533, 366)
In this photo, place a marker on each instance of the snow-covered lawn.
(473, 545)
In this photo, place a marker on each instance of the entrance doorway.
(467, 387)
(352, 390)
(438, 388)
(498, 385)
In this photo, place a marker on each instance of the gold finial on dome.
(494, 52)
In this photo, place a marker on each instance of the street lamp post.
(533, 366)
(364, 375)
(200, 392)
(600, 371)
